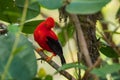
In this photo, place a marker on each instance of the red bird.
(47, 39)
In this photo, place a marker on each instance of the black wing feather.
(56, 48)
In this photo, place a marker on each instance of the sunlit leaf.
(51, 4)
(86, 6)
(42, 73)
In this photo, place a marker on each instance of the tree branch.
(54, 65)
(111, 43)
(83, 45)
(81, 39)
(96, 64)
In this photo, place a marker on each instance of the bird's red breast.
(47, 39)
(42, 31)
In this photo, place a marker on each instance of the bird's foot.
(50, 58)
(39, 49)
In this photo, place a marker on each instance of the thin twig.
(24, 15)
(112, 44)
(96, 64)
(79, 60)
(54, 65)
(79, 56)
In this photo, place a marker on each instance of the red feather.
(41, 34)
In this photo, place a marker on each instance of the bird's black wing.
(54, 45)
(56, 48)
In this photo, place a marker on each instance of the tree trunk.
(88, 24)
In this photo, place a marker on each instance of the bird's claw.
(48, 58)
(39, 49)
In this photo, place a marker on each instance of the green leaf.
(36, 79)
(107, 69)
(42, 73)
(11, 11)
(33, 8)
(116, 76)
(118, 13)
(70, 30)
(13, 28)
(62, 38)
(8, 11)
(24, 65)
(48, 77)
(108, 51)
(30, 26)
(71, 65)
(51, 4)
(86, 6)
(66, 33)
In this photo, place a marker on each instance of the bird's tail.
(62, 59)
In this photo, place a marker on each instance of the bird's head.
(50, 22)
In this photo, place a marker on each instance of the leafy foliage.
(115, 76)
(47, 3)
(30, 26)
(8, 12)
(11, 11)
(72, 65)
(42, 75)
(23, 65)
(109, 51)
(13, 28)
(106, 69)
(66, 33)
(24, 58)
(86, 6)
(33, 8)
